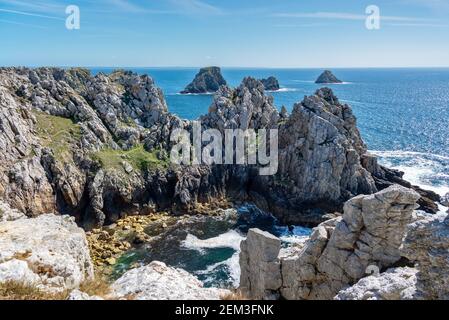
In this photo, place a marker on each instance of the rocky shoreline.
(380, 249)
(96, 149)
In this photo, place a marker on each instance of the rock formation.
(321, 149)
(208, 80)
(156, 281)
(339, 252)
(393, 284)
(260, 266)
(246, 107)
(327, 77)
(271, 84)
(8, 214)
(49, 252)
(427, 245)
(67, 136)
(96, 147)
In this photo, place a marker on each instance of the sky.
(227, 33)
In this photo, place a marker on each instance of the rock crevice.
(339, 252)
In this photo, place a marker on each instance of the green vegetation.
(58, 134)
(137, 157)
(82, 71)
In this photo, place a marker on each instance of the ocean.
(403, 116)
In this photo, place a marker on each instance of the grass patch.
(12, 290)
(97, 287)
(21, 291)
(58, 134)
(234, 296)
(137, 157)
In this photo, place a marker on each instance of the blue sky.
(255, 33)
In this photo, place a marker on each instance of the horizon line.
(226, 67)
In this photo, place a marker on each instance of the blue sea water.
(403, 114)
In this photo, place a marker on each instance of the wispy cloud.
(300, 25)
(22, 24)
(48, 7)
(175, 7)
(196, 7)
(126, 5)
(437, 5)
(424, 25)
(24, 13)
(347, 16)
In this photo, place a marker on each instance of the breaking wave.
(426, 170)
(230, 239)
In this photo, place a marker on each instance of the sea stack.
(271, 84)
(328, 77)
(206, 81)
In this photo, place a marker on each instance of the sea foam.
(426, 170)
(230, 239)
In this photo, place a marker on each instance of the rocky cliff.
(90, 146)
(338, 254)
(96, 147)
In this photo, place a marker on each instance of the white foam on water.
(297, 235)
(193, 94)
(442, 209)
(230, 239)
(426, 170)
(304, 81)
(284, 90)
(232, 265)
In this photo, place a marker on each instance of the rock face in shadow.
(208, 80)
(270, 84)
(339, 252)
(327, 77)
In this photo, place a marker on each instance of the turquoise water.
(403, 114)
(209, 247)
